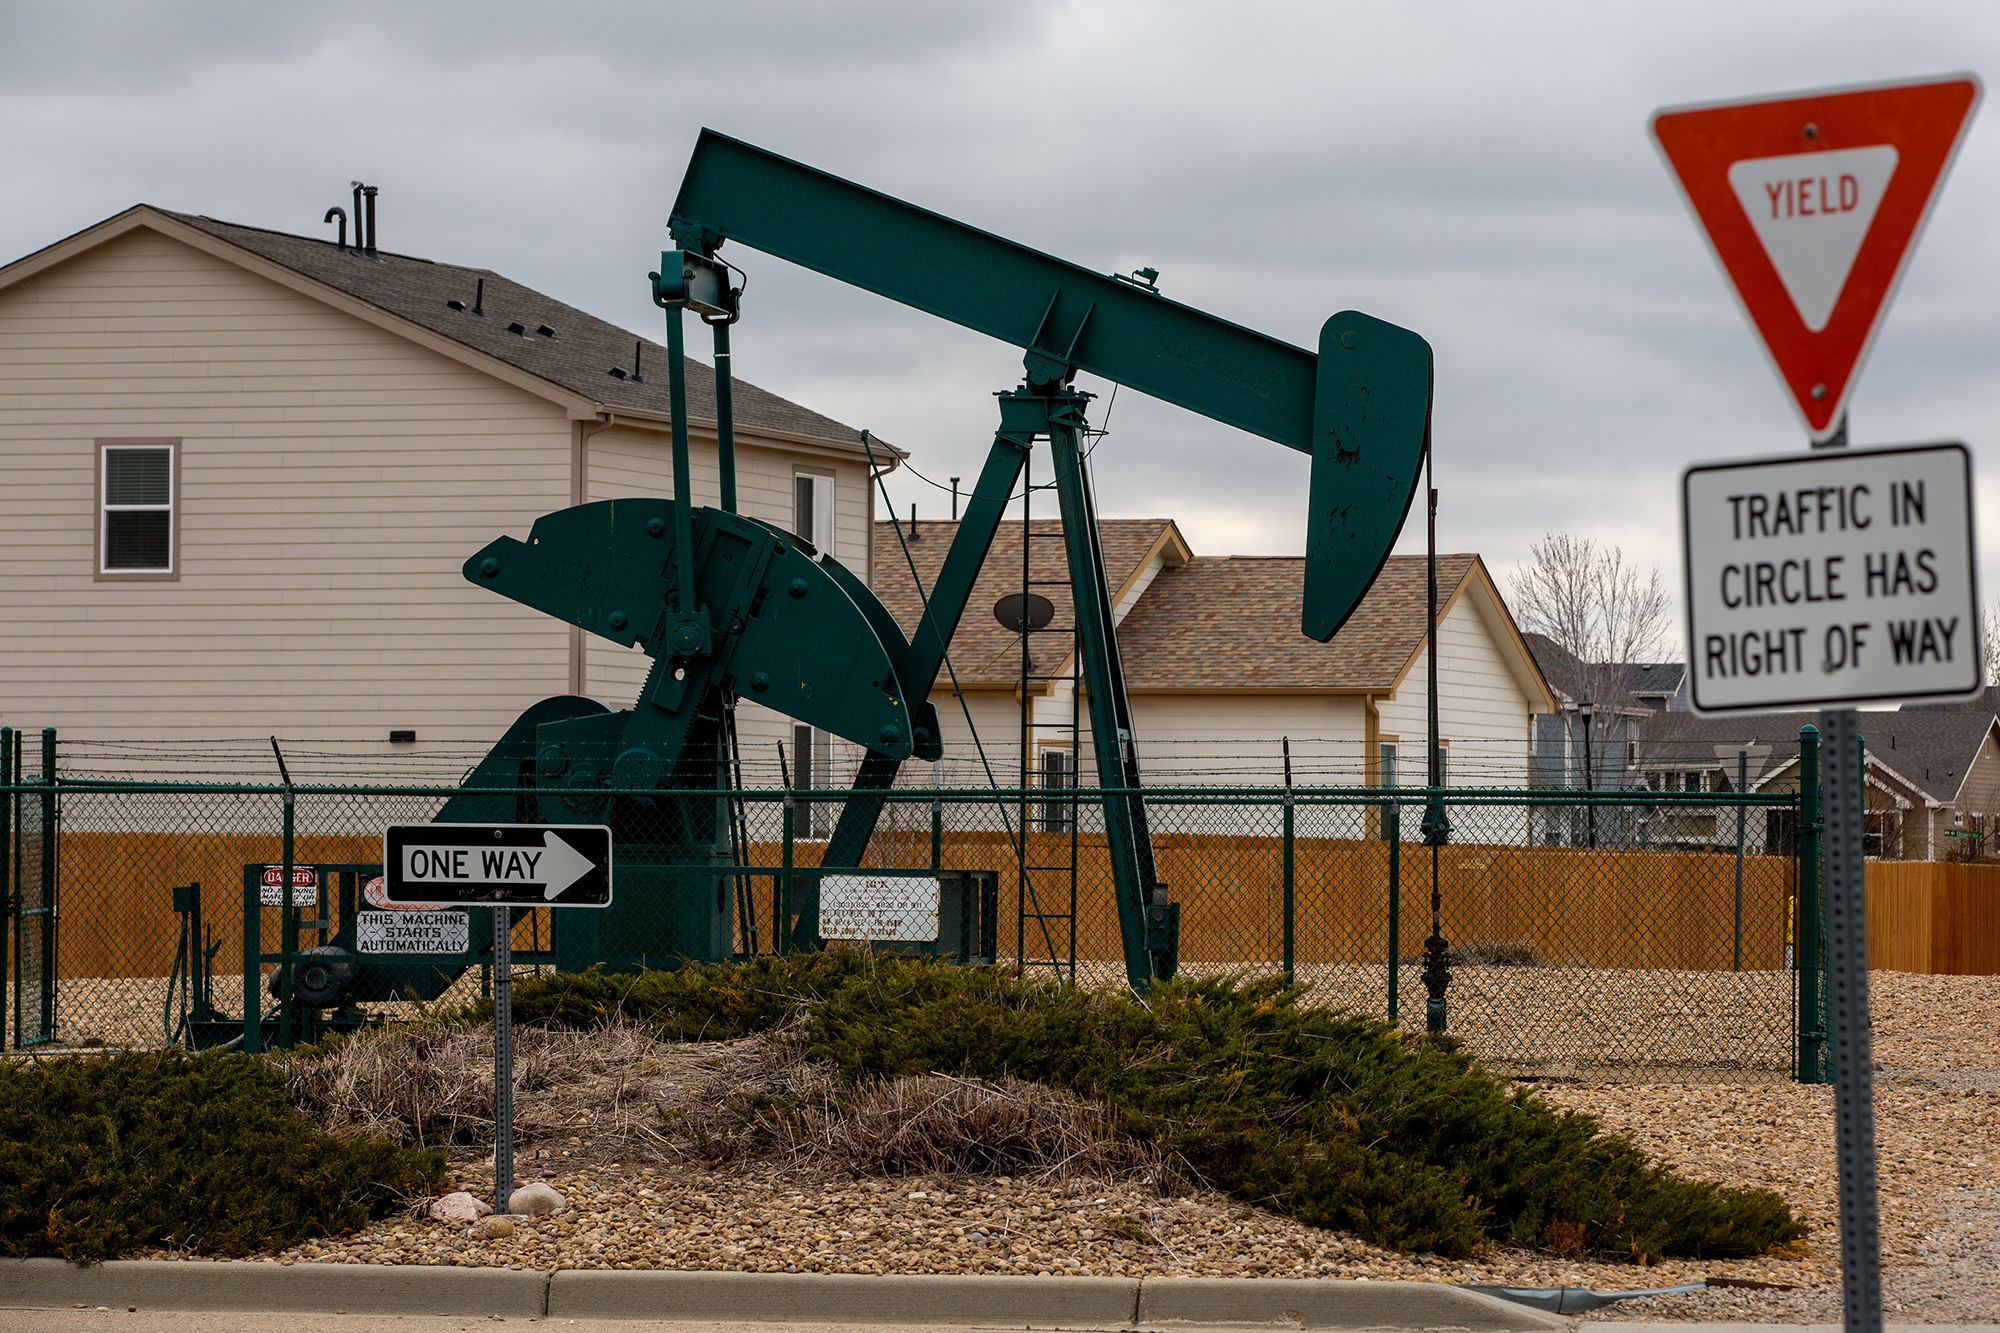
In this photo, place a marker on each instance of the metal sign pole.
(503, 1058)
(1847, 1021)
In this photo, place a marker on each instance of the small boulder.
(460, 1207)
(497, 1228)
(535, 1200)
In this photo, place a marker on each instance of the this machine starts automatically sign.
(1831, 579)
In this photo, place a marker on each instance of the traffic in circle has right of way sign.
(1831, 579)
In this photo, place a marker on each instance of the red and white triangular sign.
(1813, 202)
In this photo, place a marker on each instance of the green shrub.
(102, 1155)
(1340, 1121)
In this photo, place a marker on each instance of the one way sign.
(553, 865)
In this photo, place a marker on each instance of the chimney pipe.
(913, 522)
(479, 298)
(954, 499)
(340, 213)
(369, 192)
(360, 231)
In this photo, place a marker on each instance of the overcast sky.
(1480, 173)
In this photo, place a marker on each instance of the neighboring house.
(1619, 699)
(240, 471)
(1933, 791)
(1219, 676)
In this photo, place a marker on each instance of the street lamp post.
(1589, 774)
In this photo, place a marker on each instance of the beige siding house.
(240, 471)
(1219, 676)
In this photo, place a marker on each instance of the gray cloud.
(1479, 173)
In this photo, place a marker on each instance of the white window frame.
(1389, 762)
(821, 535)
(100, 567)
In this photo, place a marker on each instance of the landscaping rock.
(460, 1207)
(535, 1200)
(497, 1228)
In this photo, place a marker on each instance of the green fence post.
(937, 834)
(1288, 884)
(1393, 828)
(1808, 915)
(781, 929)
(50, 850)
(6, 866)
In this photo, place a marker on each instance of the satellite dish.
(1036, 609)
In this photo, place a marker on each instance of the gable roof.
(1232, 622)
(982, 652)
(1566, 671)
(1205, 623)
(575, 364)
(1932, 750)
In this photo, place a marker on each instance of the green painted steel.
(1361, 407)
(785, 630)
(1083, 319)
(1371, 426)
(1148, 924)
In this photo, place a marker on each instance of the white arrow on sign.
(554, 868)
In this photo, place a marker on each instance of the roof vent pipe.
(479, 298)
(360, 231)
(340, 213)
(637, 348)
(369, 192)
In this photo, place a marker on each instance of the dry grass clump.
(432, 1083)
(942, 1126)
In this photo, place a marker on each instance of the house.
(1592, 738)
(1220, 679)
(1933, 777)
(242, 469)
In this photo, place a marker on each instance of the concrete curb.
(153, 1284)
(841, 1298)
(1334, 1303)
(719, 1297)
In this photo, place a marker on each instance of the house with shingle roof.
(1933, 777)
(1220, 678)
(242, 469)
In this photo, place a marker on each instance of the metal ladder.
(1047, 889)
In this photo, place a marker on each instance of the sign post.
(1830, 579)
(1813, 203)
(503, 866)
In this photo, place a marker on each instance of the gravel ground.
(1938, 1110)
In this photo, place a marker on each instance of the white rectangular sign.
(878, 907)
(411, 932)
(1831, 579)
(305, 886)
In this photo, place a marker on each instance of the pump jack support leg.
(1149, 953)
(983, 512)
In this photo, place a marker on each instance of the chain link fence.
(1582, 942)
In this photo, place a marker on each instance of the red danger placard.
(1812, 203)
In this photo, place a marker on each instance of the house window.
(136, 519)
(1058, 774)
(1385, 770)
(812, 509)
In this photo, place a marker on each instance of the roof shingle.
(578, 358)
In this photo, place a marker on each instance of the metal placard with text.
(538, 865)
(1831, 579)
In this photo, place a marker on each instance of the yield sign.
(1813, 203)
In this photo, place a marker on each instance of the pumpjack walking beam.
(1361, 408)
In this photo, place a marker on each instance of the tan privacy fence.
(1933, 917)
